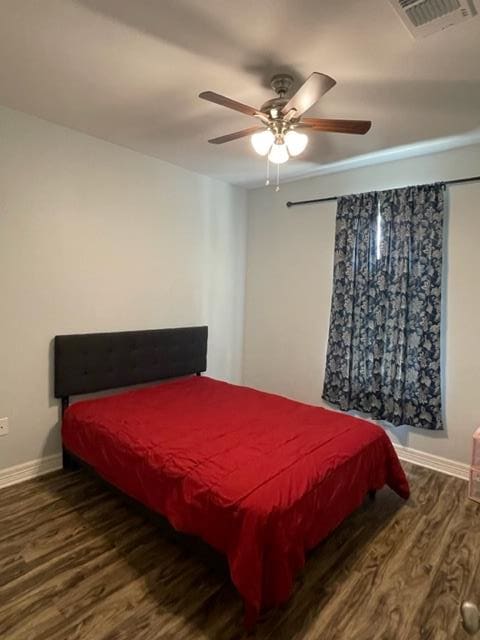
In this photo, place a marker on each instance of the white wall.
(94, 237)
(289, 284)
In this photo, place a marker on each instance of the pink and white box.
(474, 489)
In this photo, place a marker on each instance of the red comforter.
(259, 477)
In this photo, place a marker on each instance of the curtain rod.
(332, 198)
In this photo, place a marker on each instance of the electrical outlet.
(3, 426)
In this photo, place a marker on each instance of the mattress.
(259, 477)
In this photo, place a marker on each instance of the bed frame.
(87, 363)
(91, 362)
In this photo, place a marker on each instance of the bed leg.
(371, 494)
(68, 461)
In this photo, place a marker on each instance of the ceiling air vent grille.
(424, 17)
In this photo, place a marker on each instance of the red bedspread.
(259, 477)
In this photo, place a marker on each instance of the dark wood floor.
(78, 562)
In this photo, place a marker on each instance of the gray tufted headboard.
(85, 363)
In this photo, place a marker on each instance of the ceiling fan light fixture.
(262, 142)
(276, 136)
(296, 142)
(278, 153)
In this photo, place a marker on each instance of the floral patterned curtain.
(383, 354)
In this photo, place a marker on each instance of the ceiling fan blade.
(314, 87)
(234, 136)
(223, 101)
(336, 126)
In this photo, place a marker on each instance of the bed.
(257, 476)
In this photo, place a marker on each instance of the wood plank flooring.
(78, 562)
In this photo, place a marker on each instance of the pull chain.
(277, 188)
(267, 181)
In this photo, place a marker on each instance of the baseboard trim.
(29, 470)
(437, 463)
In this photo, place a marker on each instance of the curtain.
(383, 355)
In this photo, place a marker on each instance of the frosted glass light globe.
(262, 141)
(278, 153)
(296, 142)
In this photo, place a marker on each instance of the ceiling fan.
(277, 134)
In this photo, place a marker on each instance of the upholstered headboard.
(85, 363)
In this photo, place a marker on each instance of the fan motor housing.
(281, 83)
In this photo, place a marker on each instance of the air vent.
(424, 17)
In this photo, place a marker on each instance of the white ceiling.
(129, 71)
